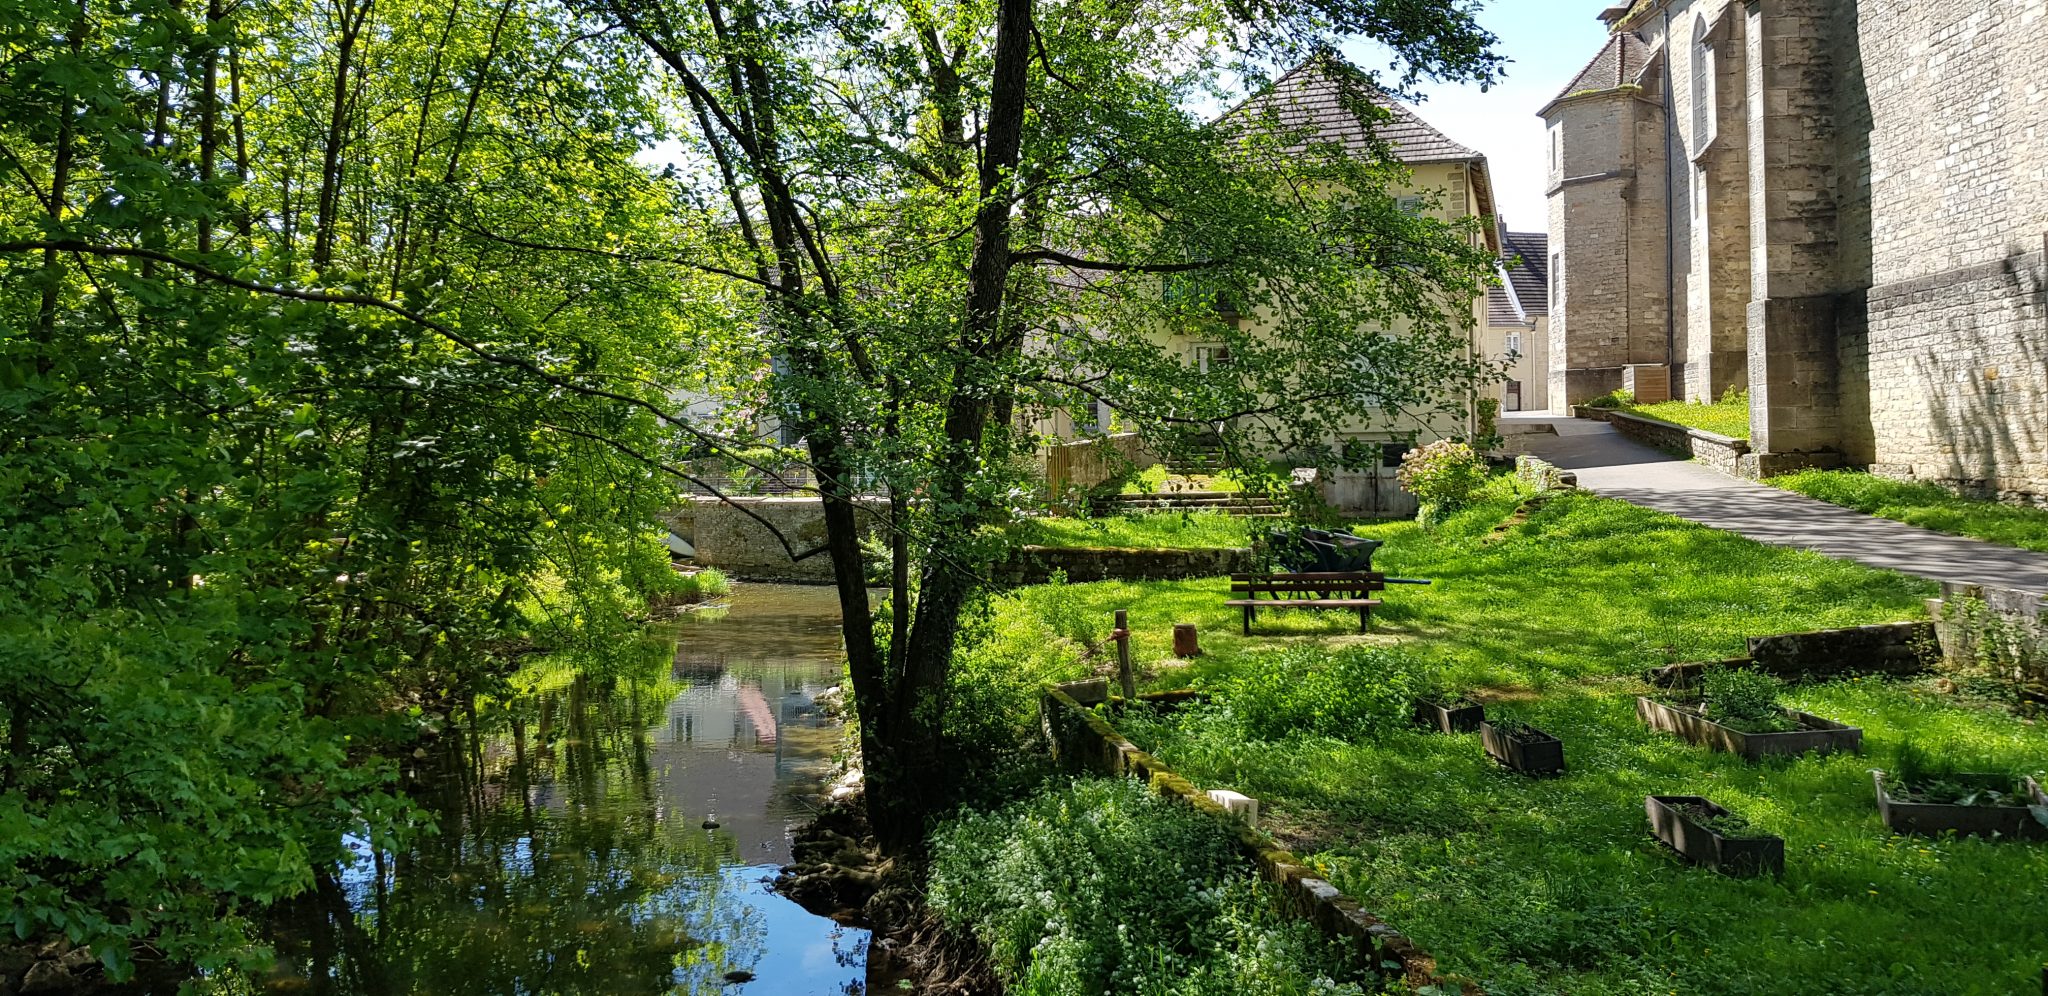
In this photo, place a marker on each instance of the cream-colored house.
(1518, 322)
(1446, 178)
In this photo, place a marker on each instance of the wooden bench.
(1312, 590)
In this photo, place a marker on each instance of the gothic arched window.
(1703, 110)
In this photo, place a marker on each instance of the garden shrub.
(1443, 476)
(1102, 886)
(1353, 693)
(1744, 699)
(1620, 397)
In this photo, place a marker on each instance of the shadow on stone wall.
(1990, 435)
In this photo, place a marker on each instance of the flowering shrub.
(1442, 476)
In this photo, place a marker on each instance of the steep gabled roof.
(1618, 63)
(1525, 289)
(1308, 96)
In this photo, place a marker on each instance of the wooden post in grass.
(1122, 636)
(1185, 644)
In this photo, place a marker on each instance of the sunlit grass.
(1728, 416)
(1928, 506)
(1556, 885)
(1152, 531)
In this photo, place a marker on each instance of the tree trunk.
(902, 768)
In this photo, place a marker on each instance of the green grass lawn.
(1556, 886)
(1152, 531)
(1928, 506)
(1728, 417)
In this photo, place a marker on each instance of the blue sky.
(1548, 41)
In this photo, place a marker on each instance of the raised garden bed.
(1709, 835)
(1455, 716)
(2016, 822)
(1523, 748)
(1822, 736)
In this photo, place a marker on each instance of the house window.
(1410, 206)
(1557, 148)
(1514, 343)
(1391, 454)
(1211, 357)
(1556, 278)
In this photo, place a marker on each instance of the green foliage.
(1620, 397)
(1147, 531)
(1555, 886)
(1727, 417)
(1105, 886)
(1148, 481)
(1486, 436)
(1744, 699)
(1953, 776)
(296, 444)
(1929, 506)
(1724, 822)
(1443, 476)
(1349, 693)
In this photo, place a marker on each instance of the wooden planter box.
(2010, 822)
(1737, 856)
(1532, 752)
(1821, 736)
(1449, 719)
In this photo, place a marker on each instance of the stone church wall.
(1941, 114)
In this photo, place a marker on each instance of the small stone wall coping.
(1081, 738)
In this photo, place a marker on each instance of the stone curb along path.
(1611, 465)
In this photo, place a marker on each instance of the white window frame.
(1211, 354)
(1513, 342)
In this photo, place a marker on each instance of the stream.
(576, 851)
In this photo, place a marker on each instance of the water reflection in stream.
(574, 856)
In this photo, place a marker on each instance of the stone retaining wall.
(729, 534)
(1726, 454)
(1036, 564)
(1083, 740)
(1895, 650)
(2004, 630)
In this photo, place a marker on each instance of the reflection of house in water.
(744, 742)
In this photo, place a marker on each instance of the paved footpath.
(1610, 464)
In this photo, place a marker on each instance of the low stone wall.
(729, 534)
(1722, 453)
(1726, 454)
(2003, 630)
(1036, 564)
(1895, 650)
(1083, 740)
(1543, 474)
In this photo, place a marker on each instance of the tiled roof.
(1528, 282)
(1308, 96)
(1620, 61)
